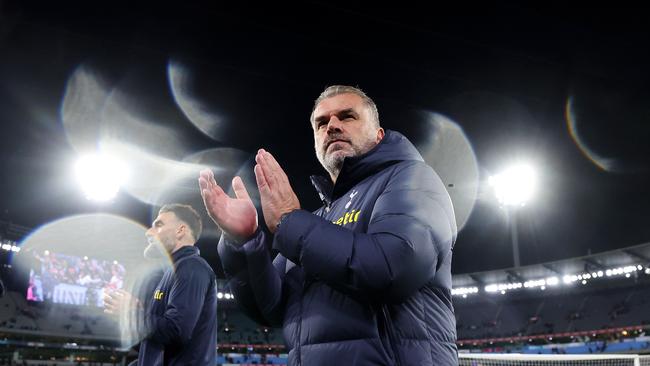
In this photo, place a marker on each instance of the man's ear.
(380, 134)
(182, 229)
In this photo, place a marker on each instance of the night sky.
(565, 89)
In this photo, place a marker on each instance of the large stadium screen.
(67, 279)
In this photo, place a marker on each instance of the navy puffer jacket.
(364, 280)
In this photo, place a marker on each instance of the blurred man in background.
(179, 324)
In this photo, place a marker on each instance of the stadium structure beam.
(477, 280)
(551, 268)
(636, 255)
(594, 263)
(13, 231)
(515, 275)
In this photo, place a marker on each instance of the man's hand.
(276, 193)
(118, 302)
(237, 217)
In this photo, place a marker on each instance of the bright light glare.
(515, 186)
(100, 176)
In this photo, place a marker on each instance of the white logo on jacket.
(354, 193)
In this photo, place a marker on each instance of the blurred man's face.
(162, 235)
(343, 127)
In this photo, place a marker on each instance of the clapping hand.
(276, 193)
(237, 216)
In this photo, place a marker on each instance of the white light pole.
(513, 188)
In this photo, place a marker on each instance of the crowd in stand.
(52, 269)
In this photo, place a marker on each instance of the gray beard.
(333, 163)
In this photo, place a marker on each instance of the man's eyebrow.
(347, 111)
(321, 118)
(157, 222)
(337, 113)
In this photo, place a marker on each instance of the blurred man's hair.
(188, 215)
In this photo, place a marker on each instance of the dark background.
(505, 72)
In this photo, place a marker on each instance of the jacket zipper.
(391, 336)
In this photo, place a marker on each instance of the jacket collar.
(392, 149)
(185, 251)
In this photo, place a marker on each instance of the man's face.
(343, 127)
(162, 234)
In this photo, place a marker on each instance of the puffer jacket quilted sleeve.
(256, 281)
(411, 226)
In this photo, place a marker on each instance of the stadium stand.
(565, 311)
(594, 304)
(237, 328)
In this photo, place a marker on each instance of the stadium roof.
(634, 256)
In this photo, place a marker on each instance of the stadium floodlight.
(100, 176)
(514, 186)
(462, 291)
(552, 281)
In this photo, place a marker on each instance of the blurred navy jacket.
(181, 318)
